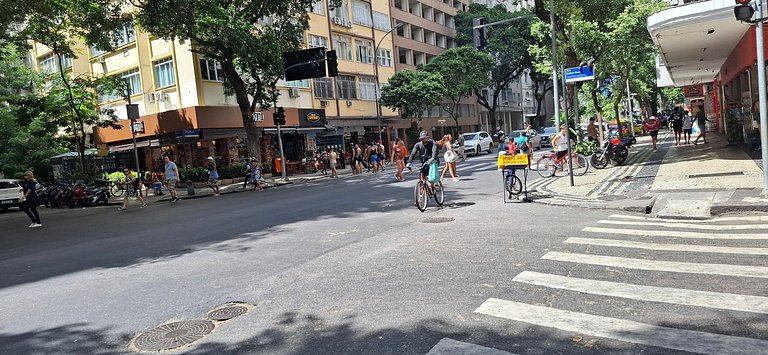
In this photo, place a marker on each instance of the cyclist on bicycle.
(427, 151)
(560, 142)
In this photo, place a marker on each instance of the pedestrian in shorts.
(132, 185)
(171, 177)
(30, 201)
(213, 176)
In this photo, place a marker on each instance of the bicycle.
(549, 165)
(424, 188)
(512, 182)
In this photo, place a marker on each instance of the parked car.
(534, 138)
(546, 133)
(9, 193)
(477, 142)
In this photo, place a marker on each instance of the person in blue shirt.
(523, 146)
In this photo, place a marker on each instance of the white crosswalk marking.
(729, 301)
(660, 265)
(448, 346)
(688, 225)
(630, 331)
(669, 247)
(726, 238)
(678, 234)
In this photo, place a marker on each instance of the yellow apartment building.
(185, 113)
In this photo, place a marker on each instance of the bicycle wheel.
(116, 191)
(439, 193)
(421, 196)
(545, 166)
(580, 165)
(513, 184)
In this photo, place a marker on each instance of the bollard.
(190, 187)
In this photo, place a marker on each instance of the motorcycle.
(613, 150)
(82, 195)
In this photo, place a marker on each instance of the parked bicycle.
(425, 188)
(512, 183)
(549, 165)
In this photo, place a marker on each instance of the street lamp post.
(132, 111)
(762, 92)
(553, 33)
(376, 74)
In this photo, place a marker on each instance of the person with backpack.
(523, 146)
(213, 176)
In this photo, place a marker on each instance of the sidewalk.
(269, 182)
(687, 181)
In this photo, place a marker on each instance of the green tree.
(247, 37)
(671, 96)
(411, 92)
(508, 43)
(464, 70)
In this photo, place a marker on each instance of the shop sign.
(258, 116)
(138, 127)
(188, 133)
(313, 117)
(694, 90)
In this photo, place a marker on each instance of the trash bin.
(190, 187)
(278, 167)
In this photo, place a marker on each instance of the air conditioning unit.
(349, 102)
(323, 103)
(151, 97)
(161, 97)
(293, 92)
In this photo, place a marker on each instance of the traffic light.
(743, 10)
(333, 66)
(279, 117)
(479, 34)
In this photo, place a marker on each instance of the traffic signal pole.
(761, 91)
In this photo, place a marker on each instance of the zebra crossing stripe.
(719, 219)
(448, 346)
(729, 301)
(623, 330)
(678, 234)
(668, 247)
(660, 265)
(687, 225)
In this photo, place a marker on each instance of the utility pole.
(132, 110)
(553, 33)
(761, 92)
(567, 126)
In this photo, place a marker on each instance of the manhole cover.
(227, 312)
(438, 220)
(172, 335)
(612, 197)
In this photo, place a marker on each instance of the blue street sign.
(573, 75)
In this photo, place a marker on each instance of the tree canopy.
(411, 92)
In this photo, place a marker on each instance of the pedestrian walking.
(248, 170)
(171, 177)
(460, 140)
(701, 121)
(381, 156)
(449, 156)
(398, 157)
(592, 134)
(29, 201)
(256, 176)
(213, 176)
(132, 186)
(652, 126)
(687, 127)
(332, 161)
(677, 126)
(523, 145)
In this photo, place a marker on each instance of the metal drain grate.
(728, 173)
(438, 220)
(172, 335)
(227, 312)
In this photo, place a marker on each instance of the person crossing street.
(171, 177)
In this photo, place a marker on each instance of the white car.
(9, 193)
(477, 142)
(533, 137)
(546, 134)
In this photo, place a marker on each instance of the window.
(323, 88)
(317, 41)
(47, 64)
(318, 7)
(364, 51)
(361, 13)
(211, 70)
(164, 75)
(132, 78)
(66, 61)
(341, 11)
(124, 35)
(343, 47)
(367, 88)
(384, 57)
(304, 83)
(96, 51)
(381, 21)
(346, 86)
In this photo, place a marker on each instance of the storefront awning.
(129, 146)
(300, 129)
(694, 40)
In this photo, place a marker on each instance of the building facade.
(185, 113)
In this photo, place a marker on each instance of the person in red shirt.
(652, 126)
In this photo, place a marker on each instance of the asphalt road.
(349, 266)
